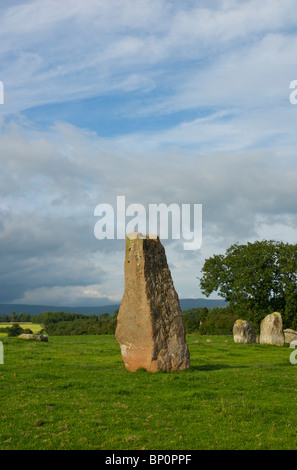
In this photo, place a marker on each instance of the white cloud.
(229, 62)
(58, 51)
(47, 239)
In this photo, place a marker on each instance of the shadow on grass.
(209, 367)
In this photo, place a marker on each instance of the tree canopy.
(258, 277)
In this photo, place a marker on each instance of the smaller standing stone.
(34, 337)
(271, 330)
(290, 335)
(243, 332)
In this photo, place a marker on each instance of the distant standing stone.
(271, 330)
(243, 332)
(150, 327)
(290, 335)
(33, 337)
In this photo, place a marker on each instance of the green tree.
(257, 278)
(24, 317)
(13, 317)
(15, 330)
(193, 318)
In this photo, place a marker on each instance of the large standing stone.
(150, 327)
(243, 332)
(290, 335)
(271, 330)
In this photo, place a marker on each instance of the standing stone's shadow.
(210, 367)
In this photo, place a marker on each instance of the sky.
(160, 101)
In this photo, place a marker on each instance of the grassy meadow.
(74, 393)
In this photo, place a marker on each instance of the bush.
(15, 330)
(193, 318)
(219, 321)
(28, 331)
(214, 321)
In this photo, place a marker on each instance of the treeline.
(61, 323)
(204, 321)
(15, 318)
(220, 320)
(214, 321)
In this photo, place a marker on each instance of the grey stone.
(243, 332)
(33, 337)
(271, 330)
(290, 335)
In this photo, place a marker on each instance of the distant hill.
(36, 309)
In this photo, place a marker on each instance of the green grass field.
(74, 393)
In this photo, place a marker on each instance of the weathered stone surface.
(271, 330)
(34, 337)
(290, 335)
(243, 332)
(150, 327)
